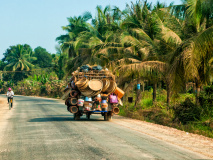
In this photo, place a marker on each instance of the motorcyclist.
(10, 94)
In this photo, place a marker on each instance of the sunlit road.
(43, 129)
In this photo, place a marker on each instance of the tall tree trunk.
(137, 94)
(126, 94)
(197, 95)
(198, 86)
(143, 86)
(154, 91)
(168, 86)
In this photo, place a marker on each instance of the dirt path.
(5, 113)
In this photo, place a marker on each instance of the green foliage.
(43, 84)
(58, 61)
(1, 84)
(206, 101)
(187, 112)
(19, 59)
(44, 58)
(146, 103)
(2, 65)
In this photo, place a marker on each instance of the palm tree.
(150, 40)
(192, 59)
(76, 26)
(100, 43)
(19, 59)
(149, 70)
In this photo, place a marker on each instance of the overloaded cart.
(92, 90)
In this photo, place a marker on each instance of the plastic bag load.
(113, 99)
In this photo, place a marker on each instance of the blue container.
(138, 86)
(104, 101)
(86, 99)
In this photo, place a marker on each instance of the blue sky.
(38, 22)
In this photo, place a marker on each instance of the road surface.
(42, 129)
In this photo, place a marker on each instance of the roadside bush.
(206, 101)
(187, 112)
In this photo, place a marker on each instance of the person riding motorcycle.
(10, 94)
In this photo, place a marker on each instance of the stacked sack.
(92, 88)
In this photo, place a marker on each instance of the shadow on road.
(61, 119)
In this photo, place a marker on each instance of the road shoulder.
(5, 114)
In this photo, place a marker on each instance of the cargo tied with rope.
(91, 90)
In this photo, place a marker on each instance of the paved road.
(42, 129)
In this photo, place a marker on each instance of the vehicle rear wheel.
(107, 116)
(76, 116)
(88, 116)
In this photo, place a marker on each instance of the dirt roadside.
(190, 141)
(5, 114)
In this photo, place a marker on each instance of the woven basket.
(74, 93)
(106, 84)
(111, 87)
(95, 84)
(81, 83)
(73, 101)
(87, 93)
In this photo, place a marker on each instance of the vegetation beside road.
(183, 113)
(162, 47)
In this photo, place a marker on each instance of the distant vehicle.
(93, 90)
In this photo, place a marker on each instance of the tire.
(9, 106)
(109, 117)
(105, 117)
(76, 116)
(88, 116)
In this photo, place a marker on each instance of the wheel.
(88, 116)
(11, 103)
(76, 116)
(105, 117)
(109, 116)
(9, 106)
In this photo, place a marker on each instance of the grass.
(160, 113)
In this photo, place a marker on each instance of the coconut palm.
(19, 59)
(96, 44)
(150, 40)
(193, 61)
(76, 26)
(149, 70)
